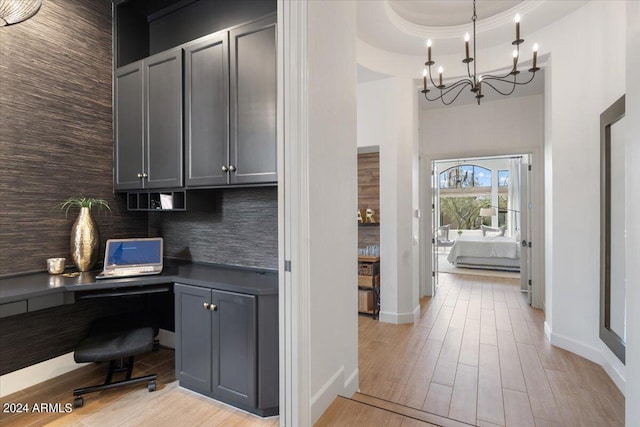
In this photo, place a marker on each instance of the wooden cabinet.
(369, 285)
(227, 346)
(230, 106)
(252, 152)
(206, 78)
(148, 123)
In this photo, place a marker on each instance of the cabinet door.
(234, 347)
(128, 127)
(193, 337)
(206, 117)
(253, 102)
(163, 106)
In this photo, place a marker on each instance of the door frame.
(537, 213)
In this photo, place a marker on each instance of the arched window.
(465, 176)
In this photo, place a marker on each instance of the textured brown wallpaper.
(369, 196)
(56, 130)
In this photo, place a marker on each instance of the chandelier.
(15, 11)
(449, 93)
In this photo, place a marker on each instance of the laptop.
(132, 257)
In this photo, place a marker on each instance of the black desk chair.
(116, 340)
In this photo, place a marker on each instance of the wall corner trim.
(591, 353)
(327, 393)
(399, 318)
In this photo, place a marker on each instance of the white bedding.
(484, 247)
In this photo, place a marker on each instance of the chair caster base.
(78, 402)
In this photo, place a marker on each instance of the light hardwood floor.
(133, 405)
(478, 354)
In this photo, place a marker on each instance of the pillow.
(493, 231)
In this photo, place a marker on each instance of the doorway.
(481, 218)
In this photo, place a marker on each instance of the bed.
(492, 253)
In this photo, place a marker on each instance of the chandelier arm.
(504, 80)
(459, 84)
(454, 98)
(499, 91)
(462, 83)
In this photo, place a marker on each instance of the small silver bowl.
(55, 265)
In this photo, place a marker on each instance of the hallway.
(478, 355)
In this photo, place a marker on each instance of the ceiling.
(403, 26)
(446, 13)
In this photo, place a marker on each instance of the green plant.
(83, 202)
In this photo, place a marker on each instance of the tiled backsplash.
(241, 229)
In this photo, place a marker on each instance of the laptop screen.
(130, 252)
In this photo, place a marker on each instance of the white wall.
(632, 117)
(594, 35)
(386, 118)
(332, 173)
(508, 126)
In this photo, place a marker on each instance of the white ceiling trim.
(487, 24)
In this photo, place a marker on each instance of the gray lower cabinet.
(148, 123)
(227, 346)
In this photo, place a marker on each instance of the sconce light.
(15, 11)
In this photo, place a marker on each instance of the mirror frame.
(609, 117)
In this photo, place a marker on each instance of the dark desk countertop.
(226, 278)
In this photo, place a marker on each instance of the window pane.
(482, 176)
(503, 178)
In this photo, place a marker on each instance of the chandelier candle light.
(475, 81)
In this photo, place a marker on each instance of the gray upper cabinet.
(206, 97)
(148, 123)
(163, 135)
(230, 106)
(252, 156)
(129, 127)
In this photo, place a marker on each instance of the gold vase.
(84, 241)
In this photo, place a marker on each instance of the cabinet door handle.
(232, 168)
(206, 305)
(225, 169)
(139, 175)
(213, 307)
(144, 175)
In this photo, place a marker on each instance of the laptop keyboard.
(128, 271)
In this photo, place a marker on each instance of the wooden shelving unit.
(369, 285)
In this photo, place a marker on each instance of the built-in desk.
(230, 314)
(37, 291)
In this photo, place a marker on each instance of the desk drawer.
(46, 301)
(13, 308)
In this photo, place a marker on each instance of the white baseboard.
(35, 374)
(612, 367)
(43, 371)
(327, 393)
(167, 338)
(351, 385)
(398, 318)
(547, 331)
